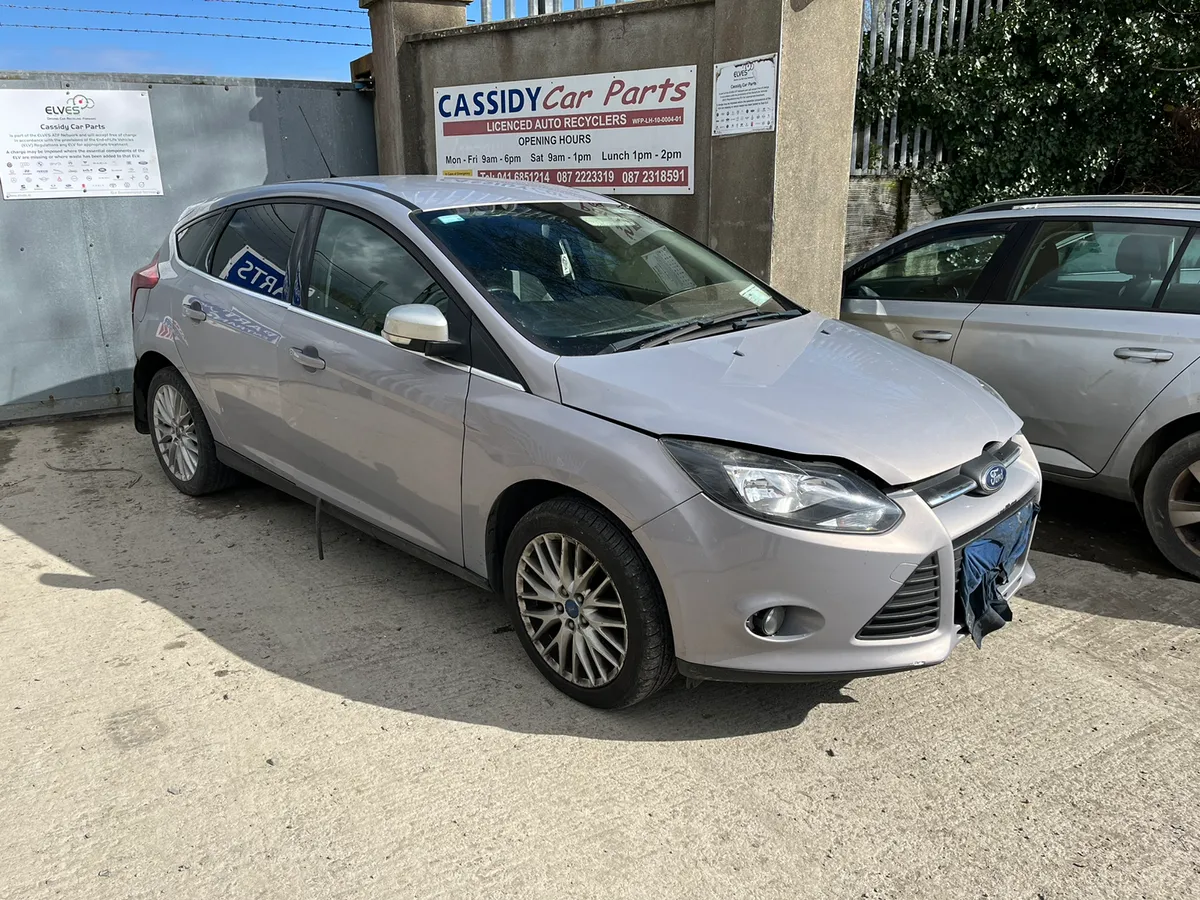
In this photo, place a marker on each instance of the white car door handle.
(938, 337)
(1149, 354)
(194, 310)
(307, 357)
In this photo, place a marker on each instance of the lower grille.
(913, 610)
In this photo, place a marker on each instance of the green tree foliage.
(1056, 97)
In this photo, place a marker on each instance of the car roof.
(417, 192)
(1182, 210)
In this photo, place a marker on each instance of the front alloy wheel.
(586, 605)
(571, 610)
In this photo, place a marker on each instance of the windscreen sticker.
(755, 295)
(668, 270)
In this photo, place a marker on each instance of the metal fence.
(495, 10)
(893, 31)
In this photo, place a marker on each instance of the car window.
(944, 269)
(191, 239)
(1097, 264)
(579, 278)
(1183, 291)
(253, 250)
(359, 273)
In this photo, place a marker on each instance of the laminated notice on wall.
(744, 95)
(77, 144)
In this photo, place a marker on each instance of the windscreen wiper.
(736, 321)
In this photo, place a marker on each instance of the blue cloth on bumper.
(987, 564)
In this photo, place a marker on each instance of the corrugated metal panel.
(65, 341)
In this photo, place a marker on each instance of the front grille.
(913, 610)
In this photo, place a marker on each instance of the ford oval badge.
(993, 478)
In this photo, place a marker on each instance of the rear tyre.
(1171, 504)
(182, 440)
(586, 605)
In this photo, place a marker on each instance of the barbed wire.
(115, 12)
(290, 6)
(244, 37)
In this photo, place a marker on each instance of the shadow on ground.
(1094, 555)
(369, 623)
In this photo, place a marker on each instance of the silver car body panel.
(790, 387)
(1087, 413)
(1057, 366)
(425, 449)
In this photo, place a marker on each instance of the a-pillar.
(391, 22)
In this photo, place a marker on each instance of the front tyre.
(1171, 504)
(586, 605)
(182, 440)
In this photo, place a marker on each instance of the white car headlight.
(815, 495)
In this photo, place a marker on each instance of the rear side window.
(944, 269)
(191, 240)
(253, 250)
(1097, 264)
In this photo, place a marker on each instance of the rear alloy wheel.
(586, 605)
(182, 440)
(1171, 503)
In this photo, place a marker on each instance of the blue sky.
(101, 51)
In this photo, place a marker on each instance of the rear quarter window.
(191, 240)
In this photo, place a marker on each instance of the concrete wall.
(65, 341)
(775, 203)
(595, 41)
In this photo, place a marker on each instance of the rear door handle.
(1149, 354)
(194, 310)
(937, 337)
(308, 357)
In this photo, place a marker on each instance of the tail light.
(143, 279)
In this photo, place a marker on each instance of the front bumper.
(718, 568)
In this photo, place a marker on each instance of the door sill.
(258, 472)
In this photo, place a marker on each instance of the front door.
(920, 293)
(374, 428)
(1086, 338)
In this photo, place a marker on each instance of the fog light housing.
(767, 622)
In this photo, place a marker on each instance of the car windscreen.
(576, 278)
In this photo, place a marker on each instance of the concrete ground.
(192, 705)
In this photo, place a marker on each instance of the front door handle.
(194, 310)
(937, 337)
(308, 357)
(1148, 354)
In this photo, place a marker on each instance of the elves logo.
(73, 107)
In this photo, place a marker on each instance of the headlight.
(817, 496)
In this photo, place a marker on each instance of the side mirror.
(416, 323)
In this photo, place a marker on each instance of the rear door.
(375, 428)
(920, 291)
(229, 320)
(1087, 333)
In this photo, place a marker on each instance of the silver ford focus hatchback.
(660, 463)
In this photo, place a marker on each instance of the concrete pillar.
(819, 46)
(391, 22)
(778, 201)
